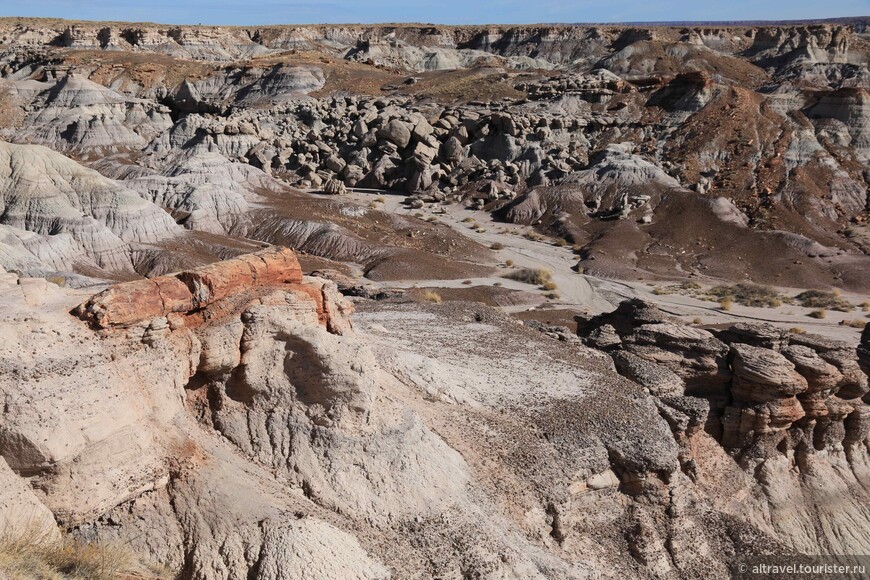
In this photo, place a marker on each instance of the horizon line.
(649, 23)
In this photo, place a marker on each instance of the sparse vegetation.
(552, 295)
(697, 320)
(508, 263)
(468, 220)
(57, 280)
(33, 553)
(824, 300)
(854, 323)
(865, 306)
(818, 314)
(549, 285)
(431, 296)
(497, 246)
(797, 330)
(726, 304)
(467, 282)
(536, 276)
(748, 295)
(380, 199)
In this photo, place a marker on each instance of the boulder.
(396, 132)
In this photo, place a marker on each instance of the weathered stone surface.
(660, 381)
(134, 302)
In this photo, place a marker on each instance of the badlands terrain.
(422, 301)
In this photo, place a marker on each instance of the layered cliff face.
(789, 408)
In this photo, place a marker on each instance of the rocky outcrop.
(787, 407)
(864, 350)
(763, 392)
(191, 297)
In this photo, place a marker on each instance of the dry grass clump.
(797, 330)
(865, 306)
(431, 296)
(726, 303)
(33, 553)
(536, 276)
(854, 323)
(818, 314)
(697, 320)
(497, 246)
(748, 295)
(689, 288)
(549, 285)
(824, 300)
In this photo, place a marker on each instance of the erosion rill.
(422, 301)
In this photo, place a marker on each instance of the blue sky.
(249, 12)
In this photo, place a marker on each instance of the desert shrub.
(797, 330)
(508, 262)
(380, 199)
(467, 282)
(552, 295)
(431, 296)
(536, 276)
(497, 246)
(33, 553)
(697, 320)
(748, 295)
(854, 323)
(549, 285)
(468, 220)
(865, 306)
(824, 300)
(57, 280)
(561, 242)
(726, 303)
(818, 314)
